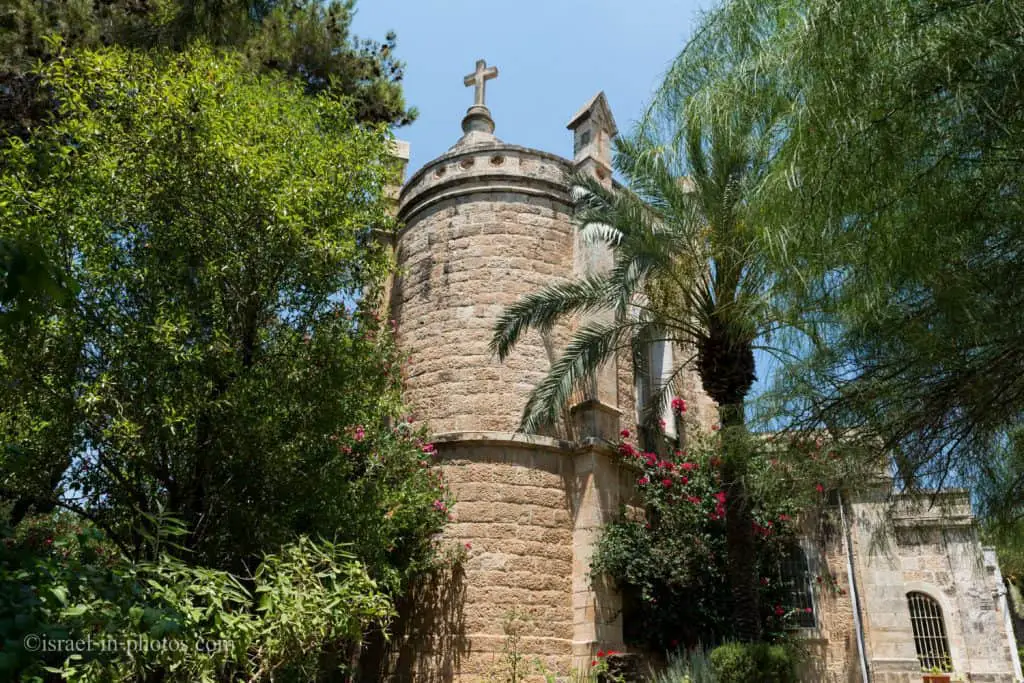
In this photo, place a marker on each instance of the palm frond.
(541, 310)
(590, 347)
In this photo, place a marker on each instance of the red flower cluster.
(719, 512)
(760, 530)
(678, 405)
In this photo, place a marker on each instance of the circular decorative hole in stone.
(466, 163)
(497, 160)
(439, 172)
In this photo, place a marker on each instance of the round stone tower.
(483, 225)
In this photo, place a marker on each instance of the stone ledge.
(518, 439)
(459, 154)
(529, 187)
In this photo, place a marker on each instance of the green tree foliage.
(892, 211)
(212, 365)
(211, 416)
(309, 40)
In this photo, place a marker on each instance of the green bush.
(690, 666)
(743, 663)
(671, 565)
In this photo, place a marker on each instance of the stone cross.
(478, 78)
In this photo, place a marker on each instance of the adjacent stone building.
(489, 222)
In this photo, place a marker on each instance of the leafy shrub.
(670, 562)
(746, 662)
(301, 612)
(689, 666)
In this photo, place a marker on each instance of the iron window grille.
(930, 639)
(797, 586)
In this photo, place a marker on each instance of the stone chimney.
(593, 129)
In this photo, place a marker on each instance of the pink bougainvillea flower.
(624, 433)
(819, 488)
(643, 481)
(429, 449)
(764, 580)
(779, 611)
(808, 610)
(685, 480)
(360, 433)
(720, 497)
(784, 518)
(688, 466)
(600, 653)
(666, 483)
(715, 427)
(678, 405)
(693, 499)
(469, 546)
(439, 505)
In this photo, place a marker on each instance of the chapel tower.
(483, 225)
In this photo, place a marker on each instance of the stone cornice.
(486, 168)
(519, 440)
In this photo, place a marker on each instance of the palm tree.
(686, 269)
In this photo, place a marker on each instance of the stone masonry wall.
(832, 644)
(906, 545)
(462, 262)
(525, 513)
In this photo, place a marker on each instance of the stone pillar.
(597, 606)
(593, 127)
(400, 158)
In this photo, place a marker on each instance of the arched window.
(795, 577)
(929, 632)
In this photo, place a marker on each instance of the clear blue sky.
(553, 55)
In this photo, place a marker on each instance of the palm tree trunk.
(741, 550)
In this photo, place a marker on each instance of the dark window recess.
(796, 581)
